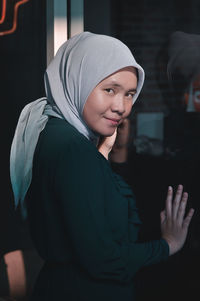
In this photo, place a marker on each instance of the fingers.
(124, 123)
(162, 216)
(177, 200)
(181, 208)
(123, 131)
(188, 218)
(175, 209)
(174, 220)
(168, 203)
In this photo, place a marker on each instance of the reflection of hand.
(174, 224)
(106, 144)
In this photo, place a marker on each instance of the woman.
(83, 219)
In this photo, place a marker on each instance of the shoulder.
(61, 133)
(71, 154)
(62, 130)
(59, 138)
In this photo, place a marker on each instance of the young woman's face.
(110, 101)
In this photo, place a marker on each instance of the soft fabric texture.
(84, 222)
(23, 146)
(79, 65)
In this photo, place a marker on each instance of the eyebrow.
(119, 86)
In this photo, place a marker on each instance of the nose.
(118, 105)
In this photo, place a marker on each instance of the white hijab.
(78, 66)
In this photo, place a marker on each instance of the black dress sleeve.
(79, 188)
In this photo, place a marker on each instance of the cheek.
(91, 110)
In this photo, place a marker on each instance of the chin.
(107, 133)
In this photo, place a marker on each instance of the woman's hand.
(106, 144)
(174, 223)
(123, 132)
(117, 143)
(119, 152)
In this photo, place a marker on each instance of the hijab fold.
(78, 66)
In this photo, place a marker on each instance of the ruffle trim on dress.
(127, 192)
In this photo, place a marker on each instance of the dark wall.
(97, 16)
(145, 26)
(22, 64)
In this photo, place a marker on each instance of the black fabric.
(4, 285)
(83, 214)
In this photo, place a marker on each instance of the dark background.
(145, 26)
(22, 64)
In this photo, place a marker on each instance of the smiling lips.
(113, 121)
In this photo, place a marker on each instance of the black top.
(83, 216)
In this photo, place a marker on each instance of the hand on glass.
(174, 220)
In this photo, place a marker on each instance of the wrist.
(173, 248)
(104, 151)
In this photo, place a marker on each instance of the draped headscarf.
(78, 66)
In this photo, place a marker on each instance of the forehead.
(125, 76)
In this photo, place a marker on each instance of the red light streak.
(3, 11)
(14, 23)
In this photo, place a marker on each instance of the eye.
(130, 95)
(110, 91)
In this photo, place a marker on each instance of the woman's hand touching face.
(106, 144)
(111, 101)
(117, 143)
